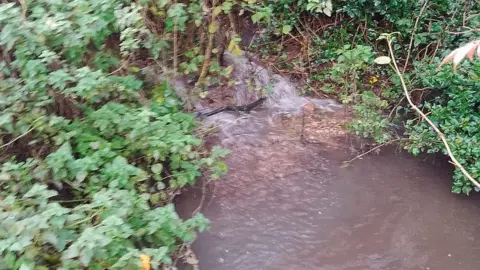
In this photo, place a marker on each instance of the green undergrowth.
(333, 56)
(92, 155)
(93, 152)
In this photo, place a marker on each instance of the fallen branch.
(244, 108)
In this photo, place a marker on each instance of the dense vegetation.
(93, 152)
(337, 58)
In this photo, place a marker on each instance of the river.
(289, 205)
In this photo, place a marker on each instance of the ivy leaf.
(228, 71)
(134, 69)
(155, 198)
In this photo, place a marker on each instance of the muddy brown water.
(286, 205)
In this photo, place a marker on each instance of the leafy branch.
(453, 55)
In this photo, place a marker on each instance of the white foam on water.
(252, 82)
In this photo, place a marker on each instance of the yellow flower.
(145, 262)
(373, 80)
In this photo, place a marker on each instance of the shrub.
(369, 121)
(455, 111)
(92, 155)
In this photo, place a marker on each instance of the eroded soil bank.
(288, 205)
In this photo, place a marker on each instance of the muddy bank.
(287, 205)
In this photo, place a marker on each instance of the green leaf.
(160, 185)
(217, 10)
(40, 191)
(25, 267)
(163, 3)
(227, 6)
(286, 29)
(328, 8)
(155, 198)
(134, 69)
(213, 27)
(5, 177)
(257, 17)
(157, 168)
(80, 176)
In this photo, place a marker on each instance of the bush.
(369, 121)
(92, 155)
(456, 112)
(449, 99)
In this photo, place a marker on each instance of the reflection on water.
(285, 205)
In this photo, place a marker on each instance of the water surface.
(286, 205)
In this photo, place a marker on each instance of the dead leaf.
(192, 260)
(144, 262)
(457, 55)
(213, 27)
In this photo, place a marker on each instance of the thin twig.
(440, 36)
(413, 35)
(373, 149)
(465, 11)
(463, 32)
(175, 45)
(401, 100)
(22, 135)
(233, 23)
(440, 134)
(206, 181)
(24, 6)
(180, 250)
(124, 64)
(356, 33)
(208, 50)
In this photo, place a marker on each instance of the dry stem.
(175, 45)
(413, 35)
(208, 49)
(373, 149)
